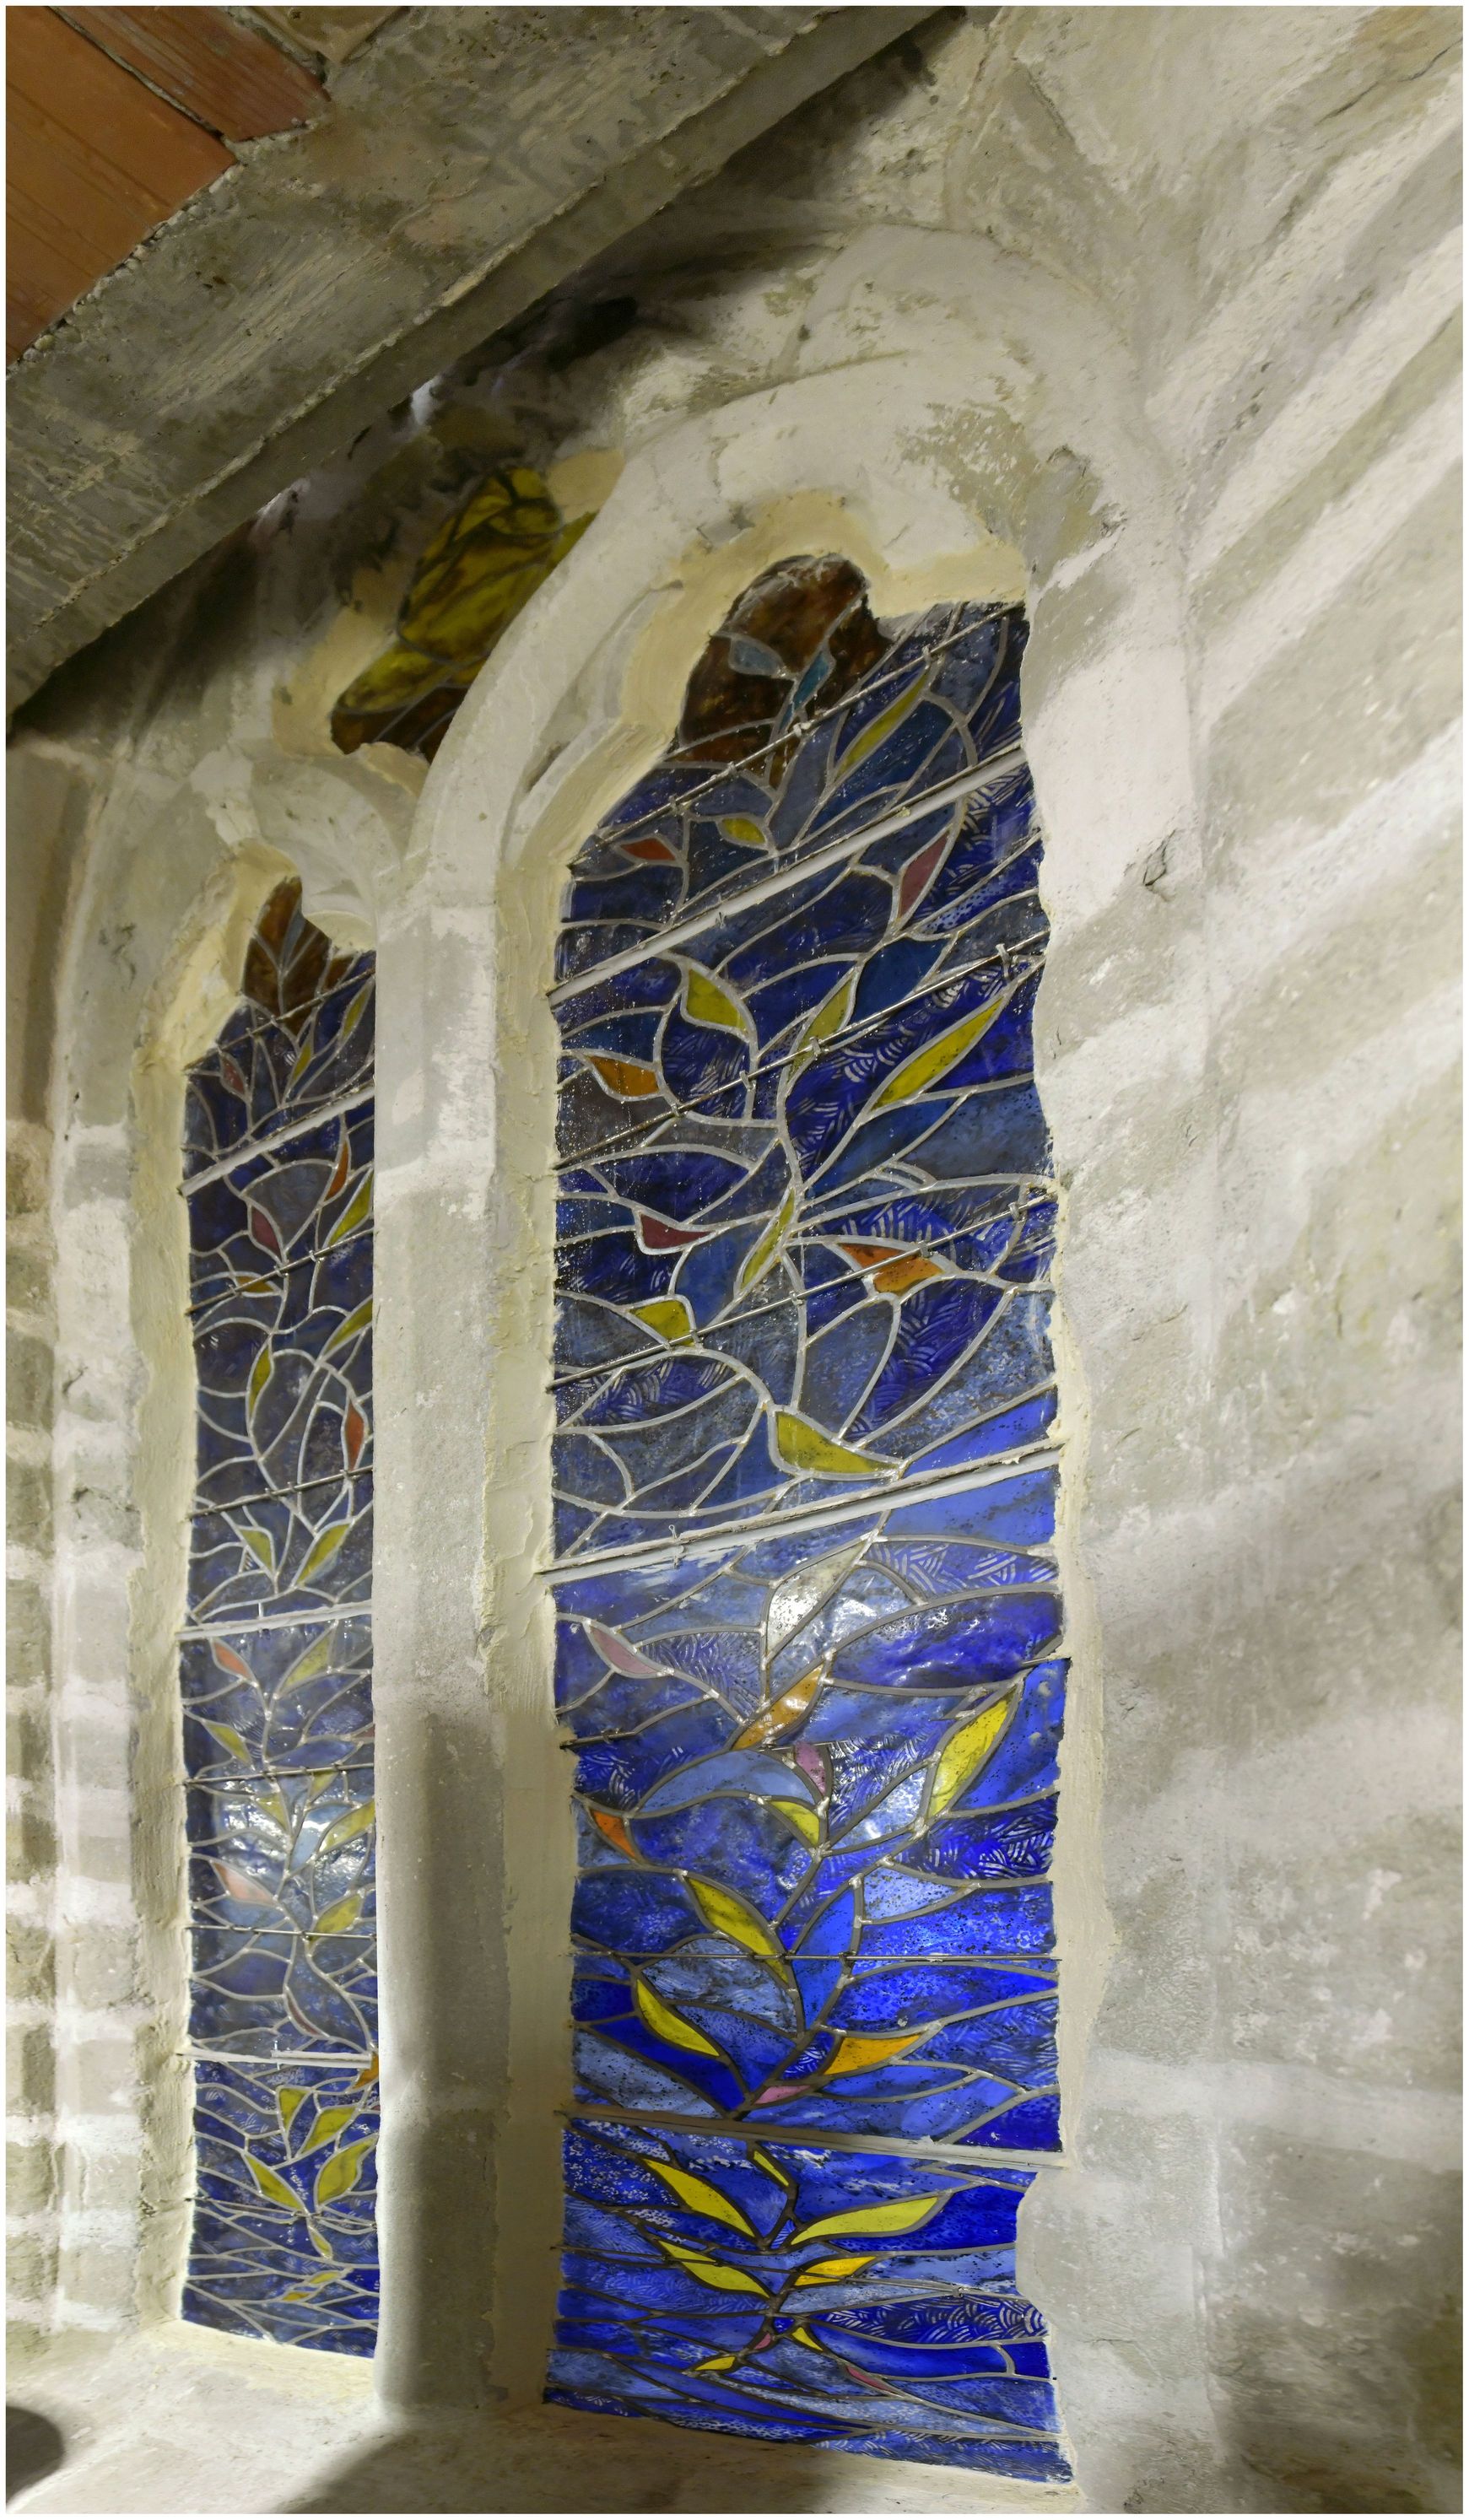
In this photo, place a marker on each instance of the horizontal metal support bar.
(913, 810)
(244, 1625)
(815, 2140)
(249, 1148)
(813, 1518)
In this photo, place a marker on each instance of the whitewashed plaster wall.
(1162, 301)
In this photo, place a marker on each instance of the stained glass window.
(275, 1661)
(810, 1632)
(479, 572)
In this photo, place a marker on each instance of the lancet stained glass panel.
(275, 1660)
(810, 1652)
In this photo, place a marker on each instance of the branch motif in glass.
(845, 2300)
(275, 1667)
(811, 1652)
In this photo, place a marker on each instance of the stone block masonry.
(1146, 319)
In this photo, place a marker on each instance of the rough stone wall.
(1245, 216)
(30, 1988)
(1271, 1518)
(45, 804)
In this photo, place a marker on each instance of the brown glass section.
(796, 643)
(290, 963)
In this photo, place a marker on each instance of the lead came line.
(819, 1872)
(813, 1517)
(818, 2139)
(359, 1100)
(806, 725)
(331, 1615)
(988, 774)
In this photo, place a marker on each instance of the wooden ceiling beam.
(473, 159)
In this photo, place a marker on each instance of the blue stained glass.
(283, 1699)
(282, 1204)
(297, 1553)
(803, 1272)
(849, 2300)
(276, 1682)
(284, 2244)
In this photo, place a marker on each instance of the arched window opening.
(275, 1660)
(808, 1623)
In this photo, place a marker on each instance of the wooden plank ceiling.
(116, 119)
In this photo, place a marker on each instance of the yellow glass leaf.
(260, 1545)
(768, 1250)
(288, 2100)
(228, 1738)
(627, 1078)
(713, 2271)
(324, 1550)
(798, 1817)
(271, 2186)
(394, 681)
(354, 1216)
(339, 2175)
(829, 1017)
(855, 2050)
(705, 1002)
(510, 522)
(349, 1024)
(315, 1659)
(803, 2337)
(353, 1823)
(878, 729)
(260, 1376)
(701, 2198)
(311, 2286)
(773, 2169)
(903, 2214)
(325, 2127)
(744, 832)
(273, 1801)
(729, 1915)
(719, 2362)
(669, 1317)
(485, 564)
(928, 1066)
(666, 2023)
(805, 1448)
(782, 1717)
(965, 1752)
(341, 1917)
(465, 621)
(322, 2245)
(355, 1323)
(833, 2269)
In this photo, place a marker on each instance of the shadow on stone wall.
(1358, 2413)
(552, 2459)
(33, 2448)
